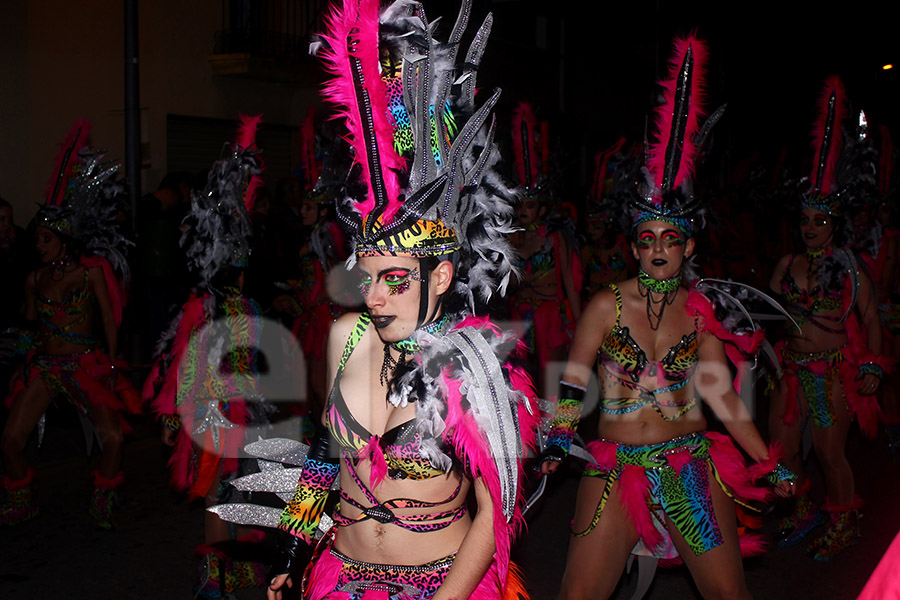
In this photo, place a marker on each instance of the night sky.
(590, 67)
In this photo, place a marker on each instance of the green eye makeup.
(397, 280)
(645, 240)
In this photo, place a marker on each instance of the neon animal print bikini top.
(77, 303)
(400, 445)
(624, 360)
(805, 305)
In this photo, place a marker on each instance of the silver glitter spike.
(41, 428)
(213, 421)
(280, 450)
(277, 481)
(248, 514)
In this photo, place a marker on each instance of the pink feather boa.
(471, 447)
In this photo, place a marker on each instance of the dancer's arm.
(713, 383)
(596, 320)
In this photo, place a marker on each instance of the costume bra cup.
(541, 261)
(76, 302)
(622, 357)
(400, 444)
(805, 302)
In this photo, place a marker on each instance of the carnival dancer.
(204, 384)
(660, 483)
(605, 253)
(833, 364)
(308, 302)
(82, 281)
(426, 408)
(546, 294)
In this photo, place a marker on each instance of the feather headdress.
(310, 166)
(531, 150)
(428, 186)
(219, 231)
(827, 144)
(84, 198)
(666, 192)
(843, 168)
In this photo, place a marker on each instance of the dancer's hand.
(785, 489)
(168, 436)
(868, 384)
(274, 590)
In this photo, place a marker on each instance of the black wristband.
(319, 450)
(293, 552)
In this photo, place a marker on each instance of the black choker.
(667, 288)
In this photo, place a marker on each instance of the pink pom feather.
(633, 489)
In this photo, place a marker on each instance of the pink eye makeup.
(672, 239)
(397, 280)
(645, 240)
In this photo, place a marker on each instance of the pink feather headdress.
(246, 141)
(678, 120)
(680, 131)
(529, 143)
(351, 55)
(395, 85)
(66, 161)
(828, 139)
(308, 162)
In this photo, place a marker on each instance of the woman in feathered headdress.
(659, 484)
(545, 296)
(833, 364)
(425, 407)
(204, 385)
(82, 281)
